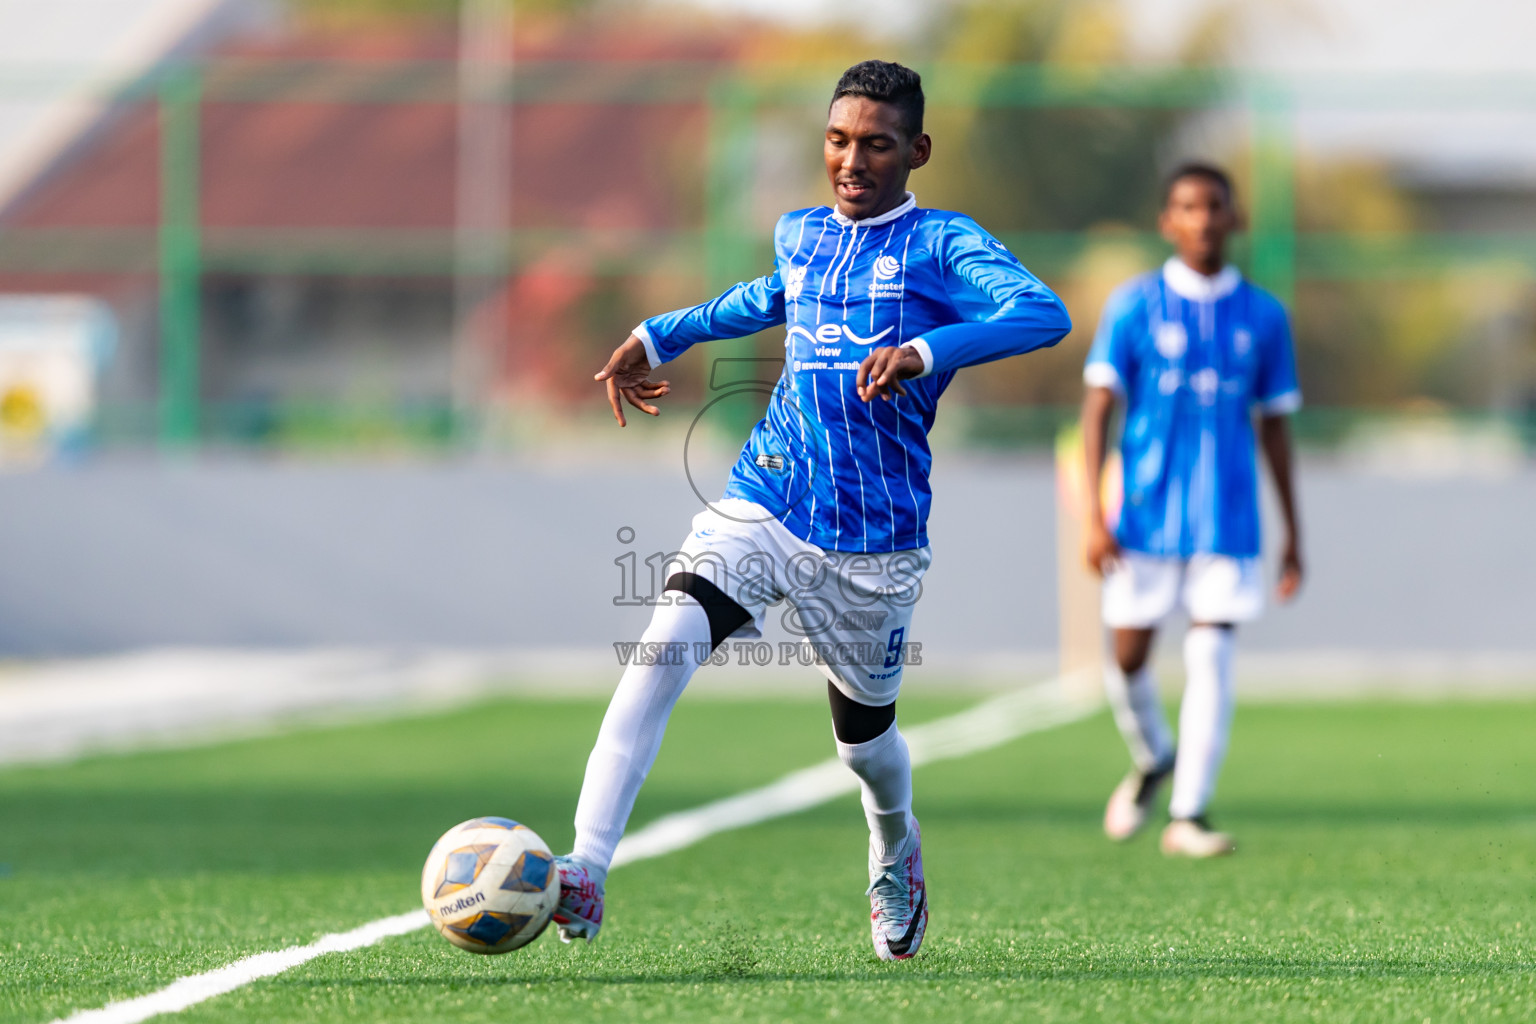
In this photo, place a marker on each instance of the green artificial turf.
(1386, 870)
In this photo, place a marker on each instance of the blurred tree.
(1046, 169)
(1082, 183)
(1035, 168)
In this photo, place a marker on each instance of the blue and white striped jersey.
(843, 474)
(1193, 357)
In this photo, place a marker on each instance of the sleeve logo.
(1002, 250)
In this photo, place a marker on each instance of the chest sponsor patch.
(833, 334)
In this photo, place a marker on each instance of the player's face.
(869, 156)
(1197, 219)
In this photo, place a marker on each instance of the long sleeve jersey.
(841, 473)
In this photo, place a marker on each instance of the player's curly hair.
(890, 83)
(1197, 169)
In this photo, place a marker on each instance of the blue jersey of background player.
(1194, 352)
(882, 302)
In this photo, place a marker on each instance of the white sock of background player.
(632, 730)
(1205, 718)
(1139, 714)
(884, 768)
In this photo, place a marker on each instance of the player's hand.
(628, 374)
(1290, 572)
(1101, 551)
(883, 370)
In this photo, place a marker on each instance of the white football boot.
(1194, 837)
(898, 900)
(1131, 802)
(579, 914)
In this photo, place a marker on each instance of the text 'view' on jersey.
(841, 473)
(1193, 357)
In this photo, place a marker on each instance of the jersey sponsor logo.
(794, 281)
(833, 334)
(1205, 383)
(822, 364)
(1170, 339)
(861, 618)
(881, 286)
(1242, 341)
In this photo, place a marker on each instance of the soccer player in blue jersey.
(827, 507)
(1195, 354)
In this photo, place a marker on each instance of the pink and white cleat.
(1194, 837)
(1131, 802)
(579, 914)
(898, 901)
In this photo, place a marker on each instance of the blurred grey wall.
(113, 555)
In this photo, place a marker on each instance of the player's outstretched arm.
(1101, 549)
(628, 374)
(1275, 436)
(1005, 310)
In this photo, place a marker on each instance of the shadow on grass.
(1224, 969)
(1030, 810)
(177, 835)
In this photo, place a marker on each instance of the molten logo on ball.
(490, 885)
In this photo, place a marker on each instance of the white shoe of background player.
(1194, 837)
(1131, 802)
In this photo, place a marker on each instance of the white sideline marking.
(179, 995)
(982, 727)
(987, 725)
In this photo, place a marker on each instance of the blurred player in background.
(827, 506)
(1194, 352)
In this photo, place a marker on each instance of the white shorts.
(1142, 590)
(853, 611)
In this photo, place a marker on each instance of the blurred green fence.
(181, 251)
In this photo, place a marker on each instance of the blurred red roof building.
(328, 170)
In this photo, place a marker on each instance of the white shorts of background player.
(1142, 590)
(856, 606)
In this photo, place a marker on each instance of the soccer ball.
(490, 885)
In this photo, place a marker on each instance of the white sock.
(632, 731)
(884, 769)
(1205, 719)
(1139, 714)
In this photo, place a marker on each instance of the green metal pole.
(1274, 200)
(728, 245)
(180, 260)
